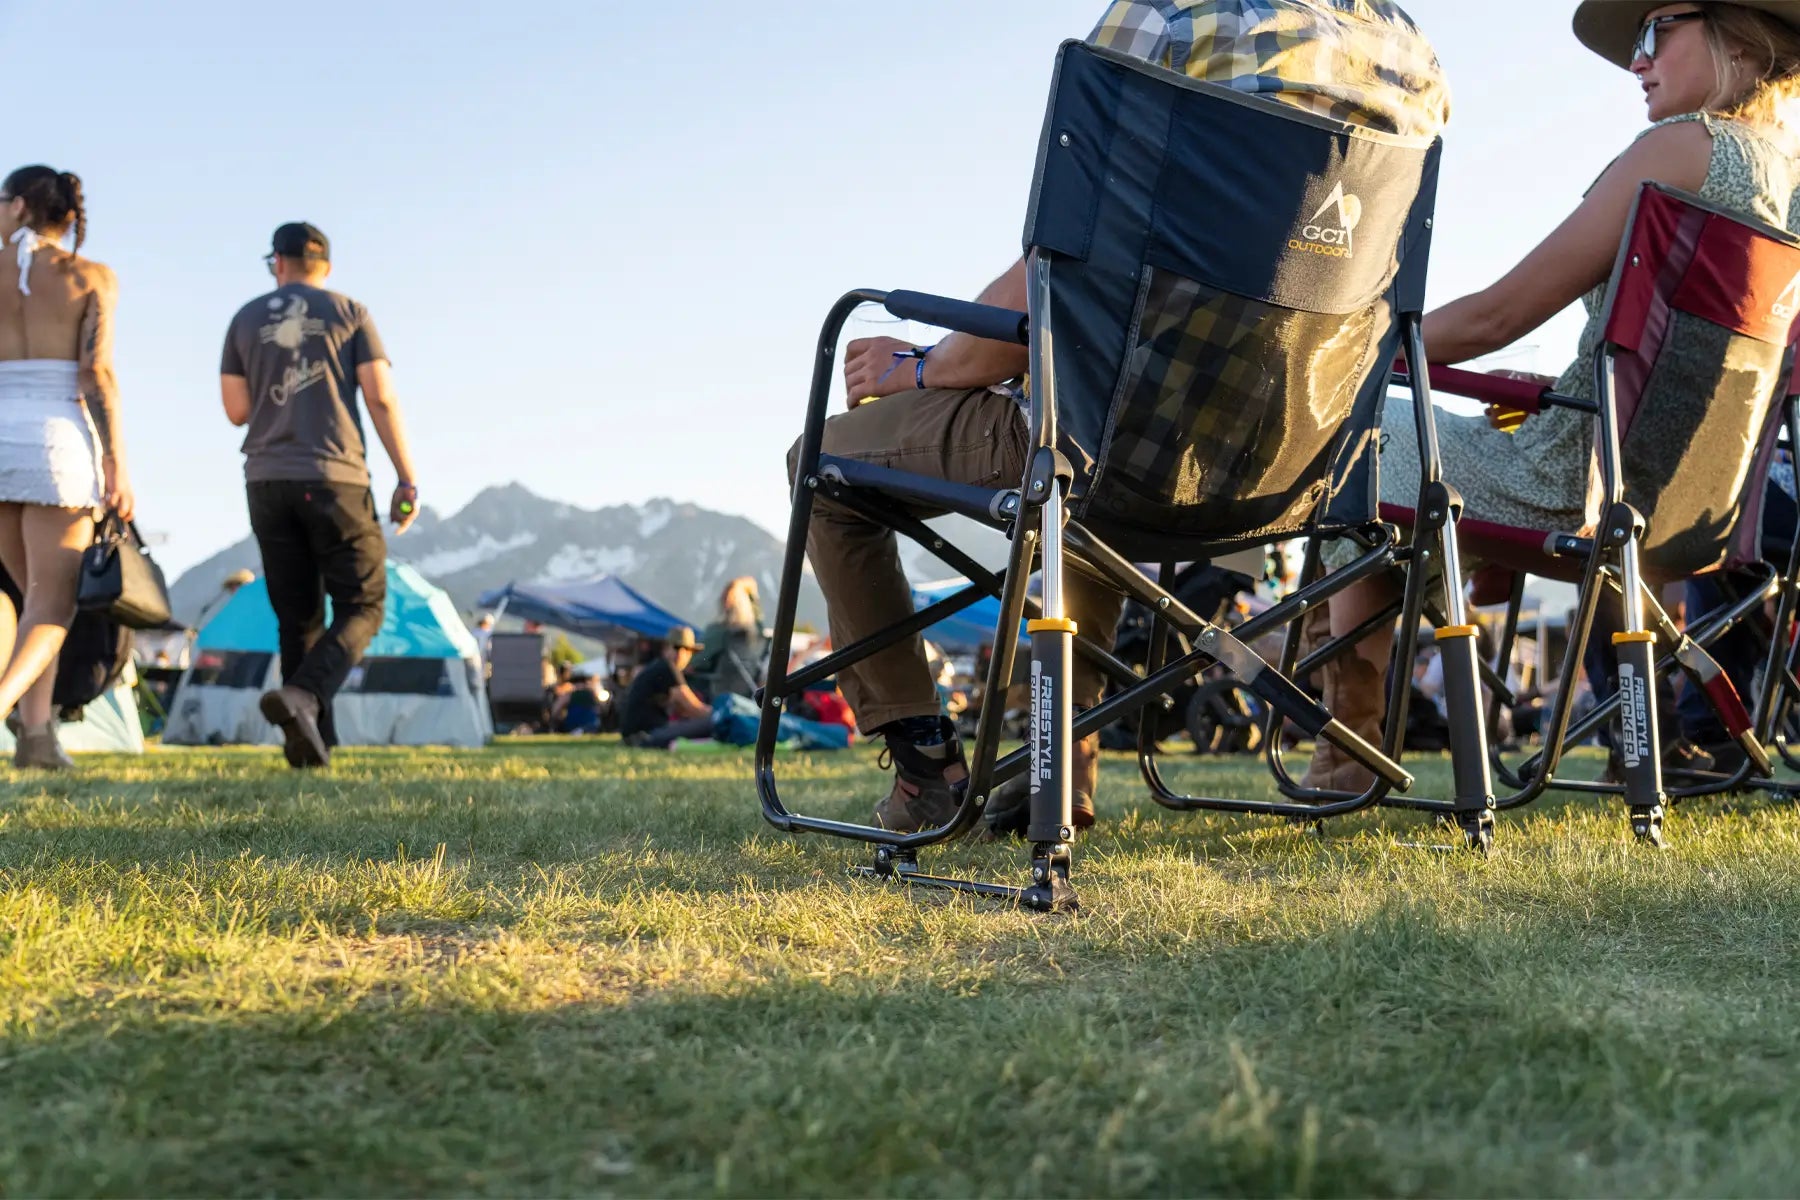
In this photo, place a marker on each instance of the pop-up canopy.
(596, 608)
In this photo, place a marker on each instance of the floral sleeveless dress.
(1538, 477)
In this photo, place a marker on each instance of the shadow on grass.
(1396, 1055)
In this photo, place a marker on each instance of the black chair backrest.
(1701, 315)
(1228, 275)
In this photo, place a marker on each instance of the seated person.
(946, 412)
(731, 661)
(659, 706)
(580, 709)
(1719, 81)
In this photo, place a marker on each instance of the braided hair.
(53, 200)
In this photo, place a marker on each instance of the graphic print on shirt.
(289, 332)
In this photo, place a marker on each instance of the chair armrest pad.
(964, 316)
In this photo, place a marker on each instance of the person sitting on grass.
(660, 707)
(579, 709)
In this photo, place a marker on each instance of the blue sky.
(599, 238)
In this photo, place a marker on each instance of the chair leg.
(1639, 744)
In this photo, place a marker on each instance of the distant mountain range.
(679, 555)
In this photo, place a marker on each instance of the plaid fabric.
(1278, 384)
(1362, 62)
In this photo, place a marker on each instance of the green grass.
(567, 968)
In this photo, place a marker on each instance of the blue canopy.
(596, 608)
(419, 621)
(968, 630)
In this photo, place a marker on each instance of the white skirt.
(49, 453)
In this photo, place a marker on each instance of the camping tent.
(601, 608)
(966, 631)
(419, 684)
(109, 723)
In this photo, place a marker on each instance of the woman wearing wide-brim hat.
(1721, 85)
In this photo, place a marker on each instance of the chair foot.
(1477, 830)
(1050, 889)
(1647, 825)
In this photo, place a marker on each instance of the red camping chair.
(1684, 442)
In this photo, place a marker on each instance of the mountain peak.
(676, 553)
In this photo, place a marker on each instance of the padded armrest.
(964, 316)
(1521, 394)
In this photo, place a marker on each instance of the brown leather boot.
(40, 749)
(296, 712)
(1353, 694)
(928, 782)
(1009, 806)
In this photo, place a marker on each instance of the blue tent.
(419, 684)
(597, 608)
(419, 621)
(968, 630)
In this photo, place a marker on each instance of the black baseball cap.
(300, 239)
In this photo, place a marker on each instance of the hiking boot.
(1679, 756)
(296, 712)
(1009, 806)
(1727, 755)
(39, 749)
(928, 781)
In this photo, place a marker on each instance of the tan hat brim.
(1610, 27)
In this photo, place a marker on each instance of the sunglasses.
(1646, 39)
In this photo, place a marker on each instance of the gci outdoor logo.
(1329, 231)
(1634, 707)
(1789, 304)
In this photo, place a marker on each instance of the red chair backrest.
(1701, 313)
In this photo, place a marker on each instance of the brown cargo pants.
(976, 437)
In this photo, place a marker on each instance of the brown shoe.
(39, 749)
(1009, 807)
(1353, 695)
(928, 783)
(296, 712)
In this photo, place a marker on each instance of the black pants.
(319, 540)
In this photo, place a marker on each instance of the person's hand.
(1506, 418)
(871, 370)
(404, 508)
(119, 496)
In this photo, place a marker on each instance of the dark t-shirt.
(299, 347)
(647, 701)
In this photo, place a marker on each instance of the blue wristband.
(919, 373)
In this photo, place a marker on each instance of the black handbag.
(119, 578)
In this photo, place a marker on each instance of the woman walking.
(60, 453)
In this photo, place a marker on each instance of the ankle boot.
(1353, 695)
(39, 748)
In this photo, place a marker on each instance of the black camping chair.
(1695, 382)
(1217, 288)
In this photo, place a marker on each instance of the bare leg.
(13, 560)
(55, 539)
(12, 557)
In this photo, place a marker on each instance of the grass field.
(562, 968)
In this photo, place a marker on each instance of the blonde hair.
(1750, 41)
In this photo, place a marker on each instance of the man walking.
(293, 362)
